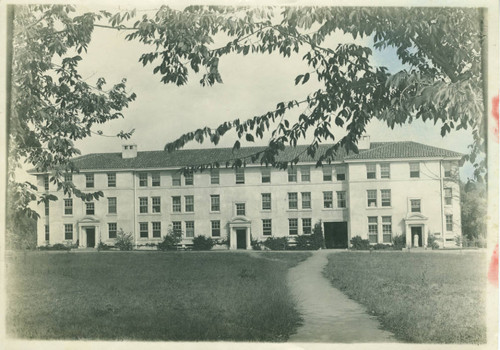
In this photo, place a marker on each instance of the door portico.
(416, 230)
(239, 233)
(88, 230)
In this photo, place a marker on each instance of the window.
(189, 203)
(328, 199)
(47, 210)
(415, 206)
(292, 174)
(68, 206)
(215, 202)
(385, 171)
(143, 229)
(156, 204)
(385, 196)
(89, 180)
(68, 177)
(176, 179)
(46, 182)
(449, 223)
(372, 229)
(240, 209)
(306, 200)
(266, 176)
(447, 196)
(111, 179)
(293, 226)
(89, 208)
(143, 205)
(214, 176)
(447, 169)
(240, 175)
(372, 198)
(155, 180)
(189, 178)
(111, 205)
(68, 231)
(371, 171)
(305, 174)
(47, 233)
(414, 169)
(266, 201)
(386, 229)
(176, 204)
(292, 200)
(215, 228)
(156, 229)
(327, 173)
(340, 173)
(266, 227)
(112, 229)
(341, 199)
(177, 227)
(143, 179)
(306, 226)
(190, 229)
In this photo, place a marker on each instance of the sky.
(253, 85)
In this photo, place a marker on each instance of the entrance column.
(232, 238)
(248, 235)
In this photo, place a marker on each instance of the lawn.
(420, 297)
(193, 296)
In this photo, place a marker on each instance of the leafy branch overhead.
(52, 106)
(441, 48)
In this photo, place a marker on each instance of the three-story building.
(387, 189)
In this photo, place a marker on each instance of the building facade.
(387, 189)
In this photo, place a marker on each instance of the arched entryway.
(239, 233)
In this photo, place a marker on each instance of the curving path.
(329, 315)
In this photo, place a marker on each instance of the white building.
(388, 189)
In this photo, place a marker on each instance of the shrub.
(170, 240)
(124, 241)
(276, 243)
(381, 246)
(257, 245)
(399, 241)
(359, 243)
(203, 243)
(432, 242)
(318, 240)
(103, 246)
(305, 242)
(57, 246)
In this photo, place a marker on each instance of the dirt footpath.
(329, 315)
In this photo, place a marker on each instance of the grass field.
(421, 297)
(151, 296)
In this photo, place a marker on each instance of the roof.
(193, 157)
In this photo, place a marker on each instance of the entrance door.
(416, 236)
(90, 237)
(241, 238)
(335, 235)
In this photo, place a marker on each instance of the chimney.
(129, 151)
(364, 142)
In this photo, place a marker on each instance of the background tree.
(473, 200)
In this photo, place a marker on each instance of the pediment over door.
(239, 220)
(88, 220)
(416, 217)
